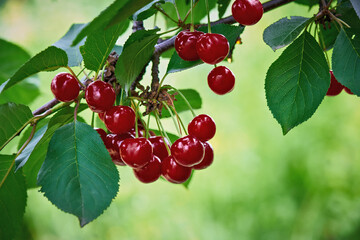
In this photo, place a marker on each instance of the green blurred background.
(262, 185)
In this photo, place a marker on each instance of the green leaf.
(191, 95)
(297, 82)
(347, 13)
(65, 43)
(187, 183)
(78, 175)
(12, 57)
(118, 11)
(222, 6)
(50, 59)
(231, 32)
(136, 53)
(346, 60)
(328, 35)
(309, 3)
(356, 6)
(99, 45)
(12, 198)
(34, 154)
(284, 31)
(14, 117)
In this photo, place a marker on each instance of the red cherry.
(151, 172)
(100, 96)
(221, 80)
(112, 143)
(212, 48)
(174, 172)
(348, 91)
(187, 151)
(208, 158)
(65, 87)
(335, 87)
(136, 152)
(102, 116)
(185, 45)
(247, 12)
(120, 119)
(159, 147)
(202, 127)
(102, 133)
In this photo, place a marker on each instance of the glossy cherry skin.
(212, 48)
(247, 12)
(112, 143)
(65, 87)
(151, 172)
(208, 157)
(221, 80)
(202, 127)
(101, 116)
(100, 96)
(174, 172)
(185, 45)
(119, 119)
(136, 152)
(102, 133)
(159, 147)
(335, 87)
(187, 151)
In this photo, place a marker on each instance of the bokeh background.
(262, 185)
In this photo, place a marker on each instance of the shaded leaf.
(356, 6)
(297, 82)
(328, 35)
(309, 3)
(348, 14)
(222, 6)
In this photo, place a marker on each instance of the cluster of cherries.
(336, 87)
(212, 48)
(149, 157)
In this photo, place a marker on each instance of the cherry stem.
(177, 11)
(82, 70)
(162, 131)
(186, 101)
(28, 140)
(177, 125)
(76, 109)
(72, 73)
(188, 13)
(322, 43)
(179, 119)
(165, 14)
(208, 15)
(92, 119)
(136, 118)
(192, 29)
(169, 31)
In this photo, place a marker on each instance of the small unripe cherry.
(65, 87)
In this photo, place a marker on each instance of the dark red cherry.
(151, 172)
(247, 12)
(159, 147)
(112, 143)
(187, 151)
(202, 127)
(65, 87)
(136, 152)
(100, 96)
(120, 119)
(185, 45)
(335, 87)
(208, 157)
(221, 80)
(348, 91)
(212, 48)
(174, 172)
(102, 133)
(102, 116)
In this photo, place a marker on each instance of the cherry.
(221, 80)
(159, 147)
(102, 116)
(247, 12)
(65, 87)
(335, 87)
(102, 133)
(202, 127)
(348, 91)
(212, 48)
(185, 45)
(136, 152)
(112, 143)
(174, 172)
(120, 119)
(208, 157)
(151, 172)
(187, 151)
(100, 96)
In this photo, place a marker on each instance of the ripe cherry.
(151, 172)
(100, 96)
(102, 133)
(221, 80)
(335, 87)
(187, 151)
(65, 87)
(159, 147)
(212, 48)
(120, 119)
(202, 127)
(136, 152)
(247, 12)
(112, 143)
(208, 158)
(174, 172)
(102, 116)
(185, 45)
